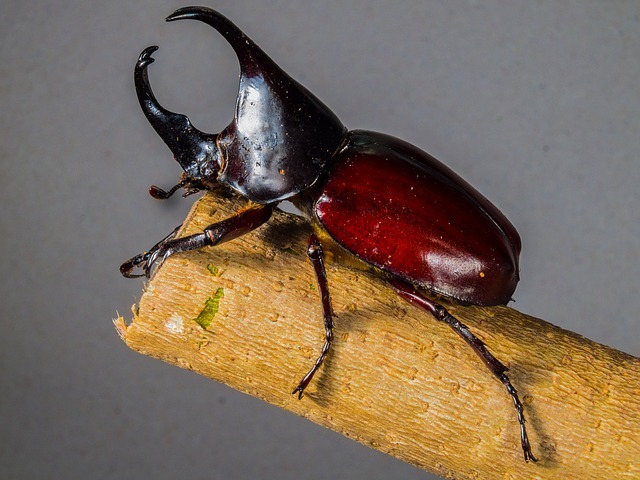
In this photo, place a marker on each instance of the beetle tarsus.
(316, 255)
(409, 293)
(127, 267)
(524, 439)
(146, 260)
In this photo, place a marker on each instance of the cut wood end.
(122, 326)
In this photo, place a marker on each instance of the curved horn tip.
(145, 57)
(192, 13)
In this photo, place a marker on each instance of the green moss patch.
(210, 309)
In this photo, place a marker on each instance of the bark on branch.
(247, 314)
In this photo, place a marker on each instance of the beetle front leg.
(141, 260)
(241, 223)
(316, 255)
(409, 293)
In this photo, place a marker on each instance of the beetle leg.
(141, 260)
(409, 293)
(215, 234)
(316, 255)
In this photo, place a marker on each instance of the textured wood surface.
(396, 380)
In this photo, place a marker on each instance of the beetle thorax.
(280, 140)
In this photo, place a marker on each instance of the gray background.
(536, 103)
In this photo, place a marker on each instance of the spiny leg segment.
(316, 255)
(409, 293)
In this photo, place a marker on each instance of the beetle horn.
(191, 148)
(252, 58)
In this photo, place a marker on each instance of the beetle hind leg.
(316, 255)
(409, 293)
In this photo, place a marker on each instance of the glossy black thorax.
(281, 139)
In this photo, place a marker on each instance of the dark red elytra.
(417, 220)
(369, 195)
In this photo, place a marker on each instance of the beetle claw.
(298, 390)
(127, 267)
(146, 262)
(150, 260)
(140, 261)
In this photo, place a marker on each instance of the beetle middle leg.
(316, 255)
(409, 293)
(233, 227)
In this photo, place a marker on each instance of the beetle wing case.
(398, 208)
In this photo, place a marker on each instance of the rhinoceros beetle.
(398, 210)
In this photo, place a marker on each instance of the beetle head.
(281, 137)
(195, 151)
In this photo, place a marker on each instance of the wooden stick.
(247, 313)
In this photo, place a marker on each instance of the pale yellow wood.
(396, 380)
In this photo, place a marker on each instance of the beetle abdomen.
(401, 210)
